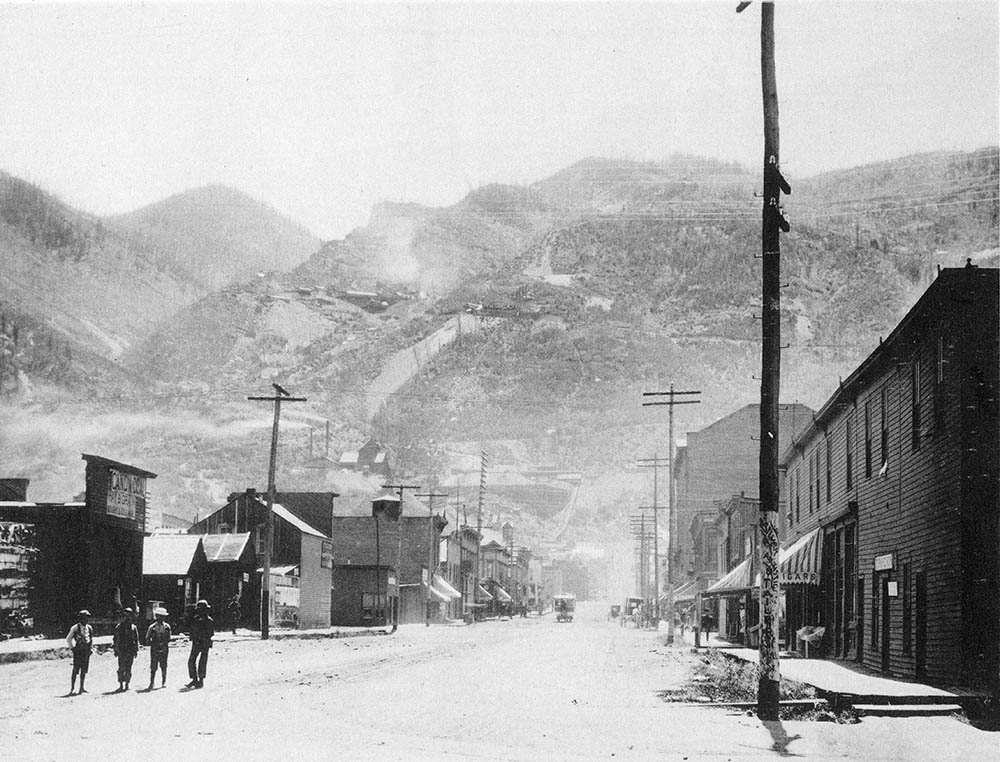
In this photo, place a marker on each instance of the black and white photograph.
(500, 381)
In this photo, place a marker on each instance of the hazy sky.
(324, 109)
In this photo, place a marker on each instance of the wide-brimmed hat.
(203, 604)
(127, 610)
(160, 612)
(83, 612)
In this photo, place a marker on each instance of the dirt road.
(519, 690)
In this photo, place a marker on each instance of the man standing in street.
(234, 611)
(202, 630)
(80, 641)
(158, 640)
(126, 646)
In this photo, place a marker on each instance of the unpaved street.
(525, 690)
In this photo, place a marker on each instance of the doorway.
(884, 622)
(921, 622)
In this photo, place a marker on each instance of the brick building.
(717, 462)
(354, 543)
(460, 549)
(896, 483)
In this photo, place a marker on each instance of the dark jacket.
(126, 639)
(202, 629)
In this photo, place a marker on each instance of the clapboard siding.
(934, 506)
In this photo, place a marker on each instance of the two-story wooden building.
(301, 558)
(892, 492)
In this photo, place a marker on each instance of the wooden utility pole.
(399, 550)
(654, 463)
(265, 587)
(430, 548)
(671, 514)
(773, 221)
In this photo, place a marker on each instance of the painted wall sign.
(800, 578)
(124, 493)
(886, 562)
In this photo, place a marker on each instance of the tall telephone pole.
(430, 548)
(671, 401)
(654, 463)
(280, 396)
(399, 550)
(773, 221)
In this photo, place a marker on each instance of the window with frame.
(829, 470)
(810, 458)
(816, 455)
(938, 390)
(849, 454)
(798, 494)
(868, 440)
(915, 402)
(884, 421)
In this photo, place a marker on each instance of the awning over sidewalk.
(441, 590)
(800, 562)
(503, 595)
(482, 594)
(685, 593)
(736, 581)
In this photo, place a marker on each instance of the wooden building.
(89, 554)
(301, 558)
(173, 567)
(363, 595)
(894, 488)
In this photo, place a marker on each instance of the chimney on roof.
(13, 490)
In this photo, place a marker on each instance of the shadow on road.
(779, 737)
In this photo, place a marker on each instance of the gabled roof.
(221, 548)
(171, 554)
(97, 460)
(314, 508)
(281, 512)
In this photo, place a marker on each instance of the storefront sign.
(124, 493)
(886, 562)
(800, 578)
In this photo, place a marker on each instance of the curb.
(63, 652)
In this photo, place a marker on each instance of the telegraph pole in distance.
(654, 463)
(773, 221)
(280, 396)
(671, 518)
(430, 548)
(399, 549)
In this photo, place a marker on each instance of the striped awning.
(482, 594)
(799, 563)
(503, 595)
(443, 591)
(736, 581)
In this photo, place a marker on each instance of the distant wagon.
(564, 606)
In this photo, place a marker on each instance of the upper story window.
(829, 470)
(810, 458)
(938, 391)
(798, 494)
(915, 402)
(884, 413)
(849, 452)
(868, 440)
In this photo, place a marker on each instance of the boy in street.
(158, 640)
(202, 630)
(126, 646)
(80, 641)
(234, 611)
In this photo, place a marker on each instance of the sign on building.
(125, 491)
